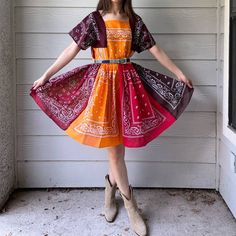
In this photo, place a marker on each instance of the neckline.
(115, 20)
(110, 19)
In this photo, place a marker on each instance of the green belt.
(122, 60)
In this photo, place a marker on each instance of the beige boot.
(110, 206)
(136, 221)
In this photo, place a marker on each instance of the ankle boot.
(110, 206)
(137, 223)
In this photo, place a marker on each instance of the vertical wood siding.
(182, 156)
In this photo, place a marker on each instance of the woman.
(112, 93)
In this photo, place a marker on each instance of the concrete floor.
(78, 212)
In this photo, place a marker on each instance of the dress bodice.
(119, 40)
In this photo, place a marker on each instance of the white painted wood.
(34, 148)
(182, 156)
(221, 45)
(199, 124)
(222, 3)
(220, 104)
(228, 176)
(169, 20)
(219, 123)
(136, 3)
(221, 71)
(148, 174)
(227, 161)
(29, 69)
(222, 11)
(220, 23)
(177, 46)
(228, 190)
(203, 99)
(219, 26)
(228, 145)
(221, 42)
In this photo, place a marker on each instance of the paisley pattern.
(171, 93)
(119, 35)
(104, 105)
(64, 97)
(86, 33)
(142, 117)
(95, 122)
(142, 38)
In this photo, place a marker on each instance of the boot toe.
(140, 229)
(110, 213)
(139, 226)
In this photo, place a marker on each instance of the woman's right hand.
(39, 82)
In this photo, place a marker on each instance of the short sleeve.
(143, 37)
(84, 33)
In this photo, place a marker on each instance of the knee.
(116, 153)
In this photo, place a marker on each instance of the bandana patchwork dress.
(104, 105)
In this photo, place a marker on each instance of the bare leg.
(111, 177)
(117, 168)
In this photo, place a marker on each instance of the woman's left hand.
(183, 78)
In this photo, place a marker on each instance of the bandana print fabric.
(104, 105)
(85, 34)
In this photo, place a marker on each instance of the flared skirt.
(104, 105)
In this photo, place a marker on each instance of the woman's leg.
(111, 177)
(119, 171)
(117, 168)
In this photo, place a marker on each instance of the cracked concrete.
(73, 212)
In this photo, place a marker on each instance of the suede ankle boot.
(110, 206)
(137, 223)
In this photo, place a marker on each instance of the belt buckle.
(123, 60)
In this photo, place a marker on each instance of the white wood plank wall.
(182, 156)
(221, 68)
